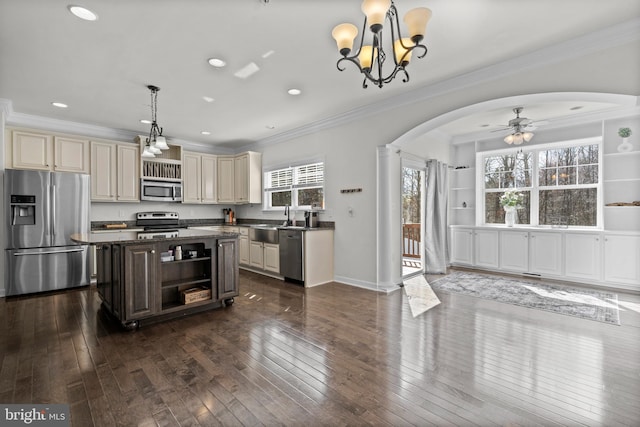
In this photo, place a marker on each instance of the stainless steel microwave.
(161, 191)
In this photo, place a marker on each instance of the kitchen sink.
(264, 234)
(292, 227)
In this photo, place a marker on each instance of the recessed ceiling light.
(82, 13)
(484, 125)
(145, 121)
(294, 92)
(208, 99)
(268, 54)
(205, 132)
(270, 126)
(217, 62)
(59, 104)
(577, 107)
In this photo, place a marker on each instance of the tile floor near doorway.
(329, 355)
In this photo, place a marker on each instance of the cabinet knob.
(220, 245)
(153, 251)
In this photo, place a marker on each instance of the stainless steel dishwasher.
(292, 254)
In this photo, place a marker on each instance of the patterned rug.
(589, 304)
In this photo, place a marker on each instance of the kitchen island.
(141, 280)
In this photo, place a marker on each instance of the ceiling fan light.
(161, 143)
(344, 34)
(367, 53)
(416, 20)
(375, 10)
(508, 139)
(527, 136)
(402, 51)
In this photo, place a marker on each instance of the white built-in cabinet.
(486, 246)
(115, 172)
(622, 261)
(240, 178)
(582, 255)
(41, 151)
(462, 244)
(199, 178)
(596, 257)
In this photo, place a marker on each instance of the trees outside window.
(560, 185)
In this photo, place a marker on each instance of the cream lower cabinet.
(271, 256)
(199, 178)
(115, 172)
(622, 259)
(243, 246)
(256, 254)
(545, 253)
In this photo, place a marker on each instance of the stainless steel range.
(158, 224)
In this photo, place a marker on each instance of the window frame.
(293, 186)
(535, 187)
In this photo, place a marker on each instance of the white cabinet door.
(622, 259)
(243, 244)
(487, 245)
(256, 254)
(71, 155)
(226, 179)
(128, 173)
(272, 257)
(103, 172)
(582, 255)
(191, 178)
(209, 178)
(545, 253)
(514, 251)
(31, 151)
(462, 246)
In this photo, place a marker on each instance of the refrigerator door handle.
(48, 252)
(53, 210)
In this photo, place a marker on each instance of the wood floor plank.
(329, 355)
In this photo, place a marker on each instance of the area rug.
(420, 295)
(589, 304)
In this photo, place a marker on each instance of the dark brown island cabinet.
(139, 285)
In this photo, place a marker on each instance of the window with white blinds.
(297, 186)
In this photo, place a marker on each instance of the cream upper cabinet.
(128, 173)
(199, 178)
(115, 172)
(103, 172)
(71, 155)
(209, 179)
(226, 177)
(248, 177)
(192, 178)
(31, 151)
(39, 151)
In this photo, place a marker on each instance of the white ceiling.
(101, 69)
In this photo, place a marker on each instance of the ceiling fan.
(520, 128)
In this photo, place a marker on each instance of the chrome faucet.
(286, 212)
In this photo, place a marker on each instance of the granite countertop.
(121, 236)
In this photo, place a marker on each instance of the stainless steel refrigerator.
(42, 211)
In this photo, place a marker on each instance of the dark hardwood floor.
(329, 355)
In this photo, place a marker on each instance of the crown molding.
(617, 35)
